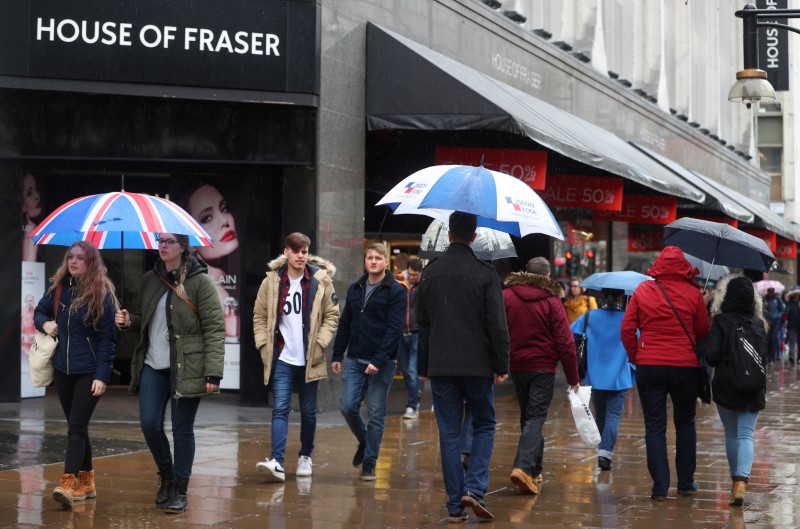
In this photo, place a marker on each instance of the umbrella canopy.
(626, 280)
(500, 201)
(718, 243)
(766, 284)
(488, 245)
(118, 220)
(707, 270)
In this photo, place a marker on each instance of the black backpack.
(745, 362)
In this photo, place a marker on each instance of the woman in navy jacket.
(84, 357)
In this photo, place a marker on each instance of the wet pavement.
(226, 491)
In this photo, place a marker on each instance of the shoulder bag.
(703, 378)
(40, 356)
(581, 347)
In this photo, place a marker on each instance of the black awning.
(412, 87)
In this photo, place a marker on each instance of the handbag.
(703, 373)
(581, 347)
(40, 356)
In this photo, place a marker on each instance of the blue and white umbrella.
(500, 201)
(626, 280)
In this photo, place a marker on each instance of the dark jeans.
(75, 396)
(680, 383)
(774, 344)
(407, 360)
(284, 376)
(449, 396)
(534, 391)
(154, 394)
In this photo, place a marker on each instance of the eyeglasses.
(168, 242)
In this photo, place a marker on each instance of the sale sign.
(644, 240)
(588, 192)
(643, 209)
(767, 236)
(528, 166)
(785, 248)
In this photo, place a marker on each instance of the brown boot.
(65, 493)
(86, 486)
(523, 481)
(737, 492)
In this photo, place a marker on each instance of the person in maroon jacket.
(540, 338)
(667, 364)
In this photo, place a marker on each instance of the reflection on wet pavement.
(226, 491)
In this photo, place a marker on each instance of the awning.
(771, 220)
(412, 87)
(714, 199)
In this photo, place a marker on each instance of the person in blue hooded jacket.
(608, 370)
(84, 356)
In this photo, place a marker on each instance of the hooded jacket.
(662, 340)
(197, 344)
(735, 300)
(538, 326)
(81, 348)
(320, 315)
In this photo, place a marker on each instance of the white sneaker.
(410, 413)
(272, 470)
(304, 466)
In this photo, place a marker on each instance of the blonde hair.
(377, 247)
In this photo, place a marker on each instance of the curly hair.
(92, 286)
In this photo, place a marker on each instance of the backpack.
(744, 365)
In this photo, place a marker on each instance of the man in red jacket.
(540, 338)
(666, 362)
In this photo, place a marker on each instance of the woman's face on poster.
(210, 209)
(31, 201)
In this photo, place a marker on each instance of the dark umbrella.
(718, 243)
(707, 270)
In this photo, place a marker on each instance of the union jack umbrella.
(118, 220)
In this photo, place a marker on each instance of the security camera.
(749, 105)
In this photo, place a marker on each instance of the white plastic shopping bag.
(584, 420)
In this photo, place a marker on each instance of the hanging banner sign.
(773, 47)
(733, 223)
(644, 209)
(785, 248)
(644, 240)
(588, 192)
(528, 166)
(766, 236)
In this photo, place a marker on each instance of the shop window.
(583, 253)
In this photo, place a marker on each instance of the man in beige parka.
(294, 319)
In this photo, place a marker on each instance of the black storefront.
(211, 105)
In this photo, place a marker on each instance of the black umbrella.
(718, 243)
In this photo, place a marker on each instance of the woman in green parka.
(179, 358)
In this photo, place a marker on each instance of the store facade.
(214, 107)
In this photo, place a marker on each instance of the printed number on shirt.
(294, 305)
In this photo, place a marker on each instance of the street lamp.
(751, 83)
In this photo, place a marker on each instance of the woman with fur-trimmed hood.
(736, 301)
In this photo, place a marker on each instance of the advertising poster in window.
(32, 279)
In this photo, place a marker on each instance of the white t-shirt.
(291, 325)
(157, 355)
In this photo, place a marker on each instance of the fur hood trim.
(314, 260)
(545, 283)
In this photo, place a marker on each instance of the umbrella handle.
(713, 259)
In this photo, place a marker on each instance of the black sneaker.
(478, 506)
(368, 472)
(604, 463)
(358, 458)
(458, 516)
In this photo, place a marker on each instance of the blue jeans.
(608, 406)
(774, 344)
(154, 394)
(466, 430)
(407, 360)
(680, 383)
(534, 391)
(284, 376)
(739, 427)
(449, 397)
(356, 386)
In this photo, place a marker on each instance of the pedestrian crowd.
(452, 324)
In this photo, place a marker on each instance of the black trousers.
(75, 395)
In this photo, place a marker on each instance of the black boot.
(166, 482)
(177, 503)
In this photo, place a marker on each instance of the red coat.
(662, 340)
(538, 326)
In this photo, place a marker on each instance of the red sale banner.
(733, 223)
(644, 241)
(643, 209)
(528, 166)
(767, 236)
(588, 192)
(785, 248)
